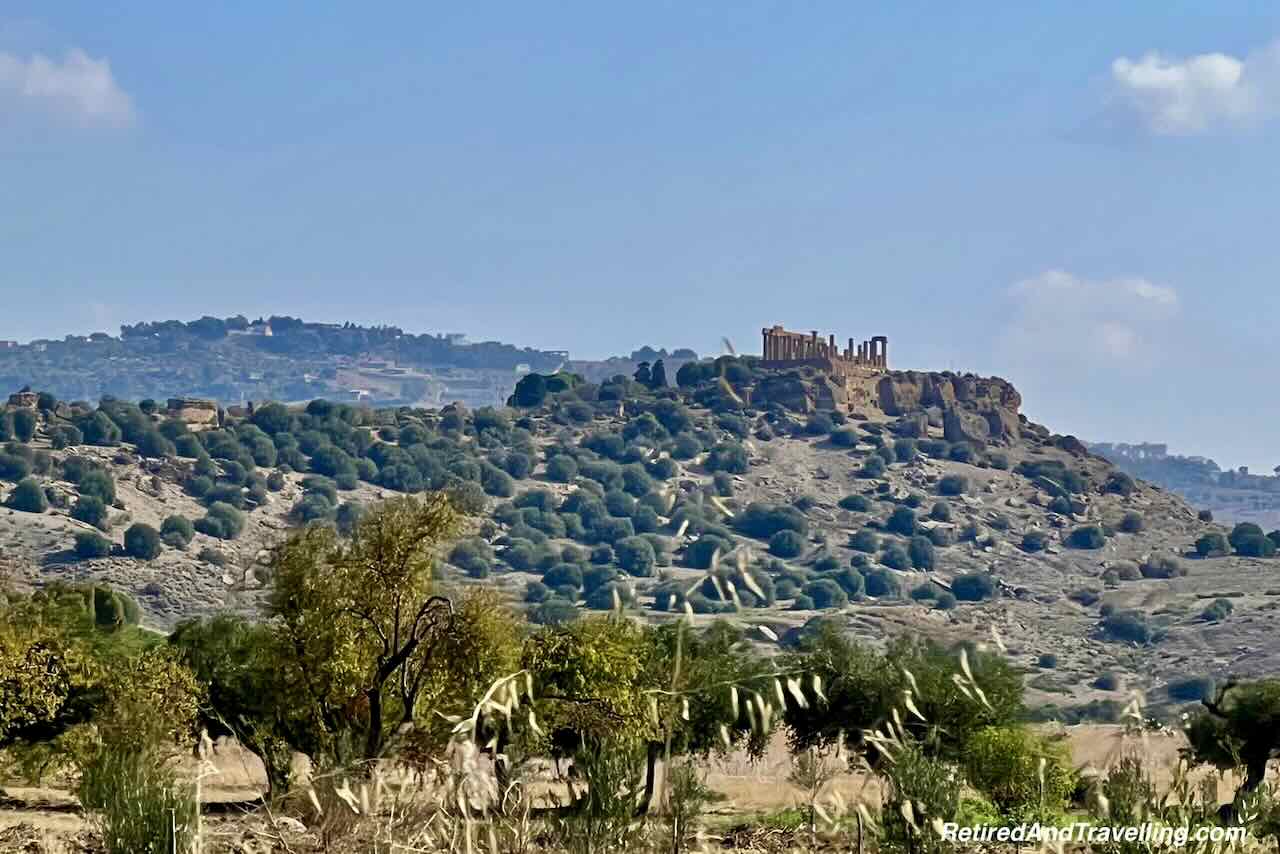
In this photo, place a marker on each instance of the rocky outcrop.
(962, 425)
(196, 413)
(903, 392)
(799, 393)
(967, 407)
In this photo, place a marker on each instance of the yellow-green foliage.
(591, 680)
(1025, 775)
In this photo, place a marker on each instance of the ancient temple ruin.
(783, 349)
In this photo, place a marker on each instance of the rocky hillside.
(935, 508)
(1234, 495)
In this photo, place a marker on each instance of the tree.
(1027, 776)
(91, 545)
(361, 618)
(1086, 537)
(28, 497)
(1211, 544)
(1239, 725)
(142, 541)
(91, 511)
(658, 377)
(901, 521)
(635, 555)
(98, 484)
(643, 374)
(177, 531)
(25, 422)
(786, 544)
(530, 391)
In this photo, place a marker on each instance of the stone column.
(883, 350)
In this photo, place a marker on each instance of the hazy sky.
(1082, 200)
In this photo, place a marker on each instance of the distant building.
(24, 399)
(8, 345)
(259, 329)
(456, 338)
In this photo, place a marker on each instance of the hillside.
(734, 494)
(233, 360)
(1232, 495)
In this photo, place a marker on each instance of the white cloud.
(1065, 319)
(1196, 94)
(79, 87)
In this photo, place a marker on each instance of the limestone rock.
(961, 425)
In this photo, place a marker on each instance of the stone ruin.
(811, 373)
(196, 412)
(784, 349)
(24, 400)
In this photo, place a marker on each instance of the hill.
(930, 506)
(1232, 495)
(233, 360)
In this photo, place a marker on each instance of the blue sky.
(1080, 199)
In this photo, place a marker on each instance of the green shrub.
(728, 457)
(803, 603)
(1163, 566)
(1132, 523)
(97, 483)
(896, 557)
(786, 544)
(940, 512)
(1047, 661)
(563, 574)
(1212, 544)
(142, 541)
(926, 592)
(473, 556)
(882, 582)
(953, 484)
(28, 496)
(1035, 541)
(825, 593)
(874, 467)
(856, 503)
(221, 520)
(973, 586)
(845, 437)
(562, 469)
(177, 531)
(1086, 537)
(864, 540)
(24, 425)
(1027, 776)
(1248, 540)
(1129, 626)
(1107, 682)
(946, 601)
(764, 520)
(920, 550)
(902, 521)
(91, 545)
(91, 511)
(635, 555)
(849, 579)
(1119, 483)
